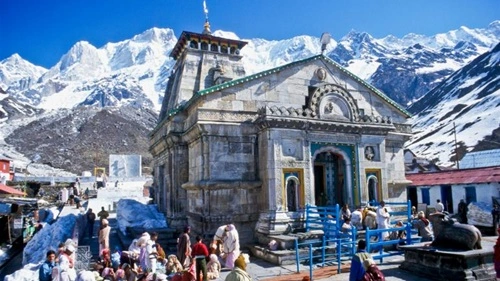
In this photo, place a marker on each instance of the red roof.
(465, 176)
(10, 190)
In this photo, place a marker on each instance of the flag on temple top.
(205, 10)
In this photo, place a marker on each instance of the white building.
(472, 185)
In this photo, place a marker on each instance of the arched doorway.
(332, 178)
(372, 188)
(292, 194)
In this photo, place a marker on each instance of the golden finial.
(206, 26)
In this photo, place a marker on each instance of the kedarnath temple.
(253, 150)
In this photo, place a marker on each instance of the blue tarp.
(5, 208)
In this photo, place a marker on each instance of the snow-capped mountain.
(469, 100)
(131, 72)
(134, 73)
(18, 74)
(404, 68)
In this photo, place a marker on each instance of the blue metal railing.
(328, 220)
(344, 245)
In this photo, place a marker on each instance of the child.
(213, 267)
(173, 265)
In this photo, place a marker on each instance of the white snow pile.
(480, 214)
(132, 213)
(3, 256)
(46, 239)
(48, 215)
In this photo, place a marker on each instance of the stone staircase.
(285, 254)
(167, 237)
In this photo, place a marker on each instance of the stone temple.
(253, 150)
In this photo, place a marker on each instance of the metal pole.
(456, 147)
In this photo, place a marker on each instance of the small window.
(425, 196)
(223, 49)
(204, 46)
(193, 44)
(214, 48)
(470, 194)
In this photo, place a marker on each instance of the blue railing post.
(353, 240)
(310, 262)
(323, 250)
(297, 254)
(339, 245)
(368, 244)
(337, 216)
(408, 233)
(381, 251)
(409, 210)
(307, 217)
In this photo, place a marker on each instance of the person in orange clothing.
(200, 254)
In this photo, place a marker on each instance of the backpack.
(373, 273)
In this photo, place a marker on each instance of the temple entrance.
(329, 179)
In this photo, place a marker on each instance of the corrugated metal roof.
(10, 190)
(462, 176)
(485, 158)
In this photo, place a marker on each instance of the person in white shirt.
(439, 206)
(357, 219)
(383, 219)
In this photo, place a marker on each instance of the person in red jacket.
(200, 254)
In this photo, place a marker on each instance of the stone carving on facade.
(375, 119)
(289, 163)
(333, 107)
(328, 99)
(369, 153)
(213, 115)
(320, 74)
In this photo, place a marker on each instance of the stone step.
(167, 237)
(287, 257)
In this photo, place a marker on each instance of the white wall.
(484, 192)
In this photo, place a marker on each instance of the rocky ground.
(83, 138)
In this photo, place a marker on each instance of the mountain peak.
(13, 58)
(226, 34)
(155, 34)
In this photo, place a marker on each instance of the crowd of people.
(379, 218)
(145, 259)
(195, 261)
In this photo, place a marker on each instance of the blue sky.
(42, 31)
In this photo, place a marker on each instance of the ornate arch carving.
(333, 102)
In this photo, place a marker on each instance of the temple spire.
(206, 26)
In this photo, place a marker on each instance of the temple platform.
(443, 264)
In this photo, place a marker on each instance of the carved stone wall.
(225, 153)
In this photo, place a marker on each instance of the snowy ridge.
(134, 72)
(142, 63)
(18, 74)
(470, 98)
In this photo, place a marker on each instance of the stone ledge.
(449, 265)
(221, 184)
(286, 257)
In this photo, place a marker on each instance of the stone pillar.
(180, 175)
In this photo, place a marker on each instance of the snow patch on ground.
(132, 213)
